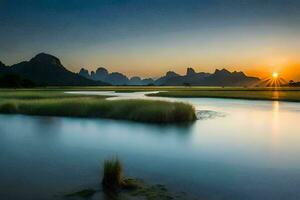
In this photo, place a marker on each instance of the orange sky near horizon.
(287, 72)
(288, 69)
(257, 53)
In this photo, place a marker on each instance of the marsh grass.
(38, 94)
(278, 95)
(97, 107)
(112, 175)
(113, 179)
(8, 108)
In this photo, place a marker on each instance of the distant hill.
(3, 68)
(2, 65)
(47, 70)
(291, 83)
(170, 75)
(8, 80)
(218, 78)
(114, 78)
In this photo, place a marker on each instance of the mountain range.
(47, 70)
(218, 78)
(114, 78)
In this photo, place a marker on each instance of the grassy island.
(273, 95)
(291, 94)
(57, 103)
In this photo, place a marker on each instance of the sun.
(275, 75)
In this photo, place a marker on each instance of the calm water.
(248, 150)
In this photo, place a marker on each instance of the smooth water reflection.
(250, 153)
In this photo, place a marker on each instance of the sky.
(149, 37)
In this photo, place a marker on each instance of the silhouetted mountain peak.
(221, 77)
(102, 70)
(117, 78)
(241, 74)
(45, 58)
(135, 78)
(222, 72)
(45, 69)
(100, 74)
(3, 67)
(170, 74)
(84, 72)
(190, 71)
(2, 64)
(117, 73)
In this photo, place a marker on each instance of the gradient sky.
(150, 37)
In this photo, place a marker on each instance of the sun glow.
(275, 75)
(275, 80)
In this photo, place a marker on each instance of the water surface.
(248, 150)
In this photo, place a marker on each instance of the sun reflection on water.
(275, 126)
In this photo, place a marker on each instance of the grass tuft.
(114, 184)
(112, 175)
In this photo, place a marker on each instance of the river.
(237, 150)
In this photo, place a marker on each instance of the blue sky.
(148, 37)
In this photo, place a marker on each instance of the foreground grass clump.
(134, 110)
(112, 175)
(115, 185)
(113, 180)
